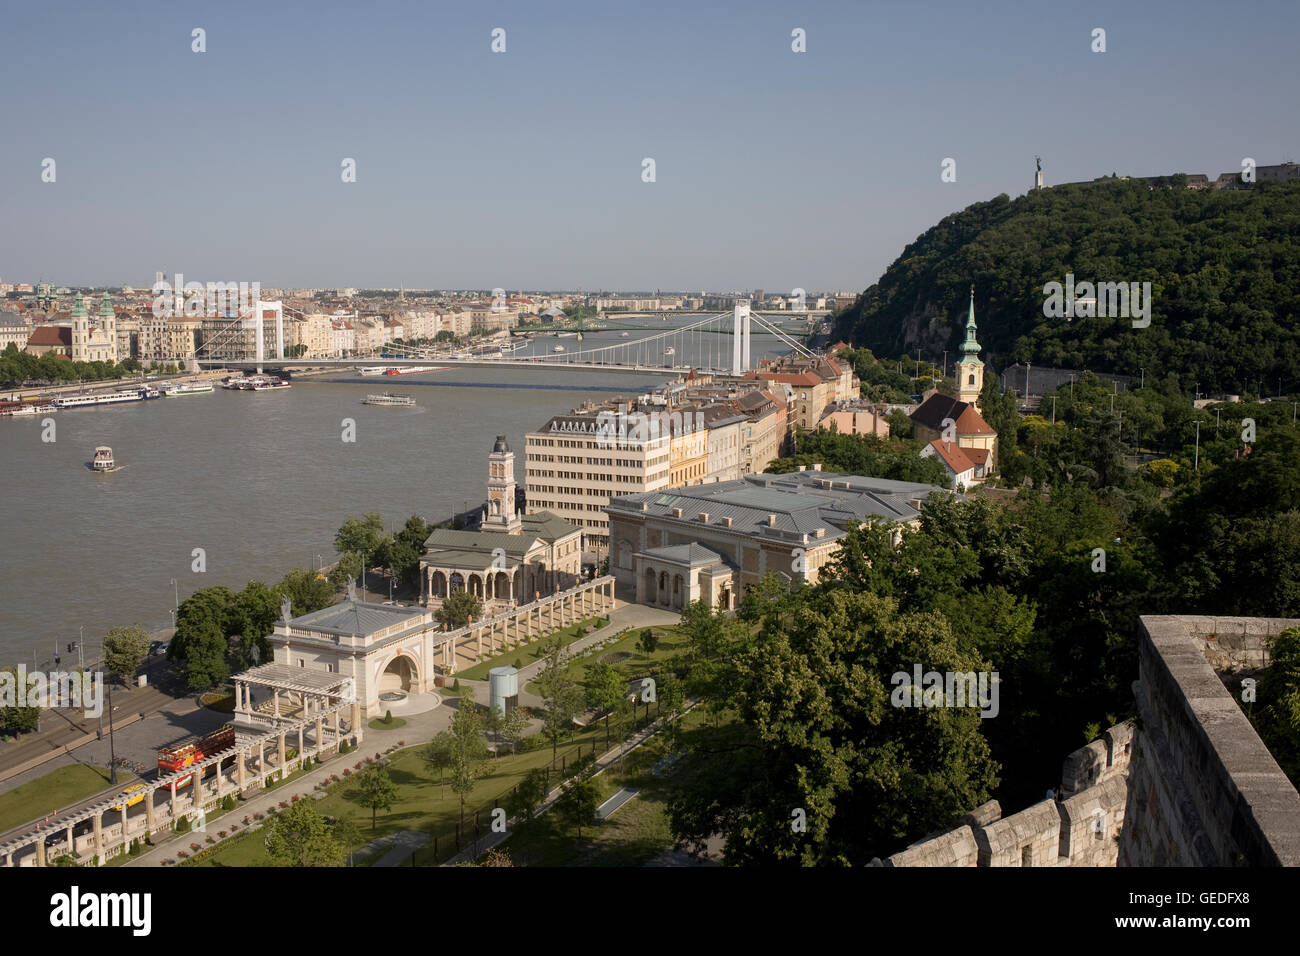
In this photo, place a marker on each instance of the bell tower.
(970, 370)
(80, 331)
(501, 514)
(108, 322)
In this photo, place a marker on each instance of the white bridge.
(720, 343)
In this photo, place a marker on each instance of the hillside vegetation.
(1224, 268)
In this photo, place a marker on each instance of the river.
(260, 481)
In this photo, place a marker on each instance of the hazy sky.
(523, 169)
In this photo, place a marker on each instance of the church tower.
(501, 514)
(80, 331)
(108, 323)
(970, 370)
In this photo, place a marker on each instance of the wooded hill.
(1224, 268)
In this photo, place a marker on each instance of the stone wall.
(1078, 826)
(1204, 791)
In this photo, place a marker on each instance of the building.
(816, 383)
(14, 330)
(958, 420)
(711, 542)
(512, 559)
(855, 418)
(51, 338)
(963, 465)
(95, 342)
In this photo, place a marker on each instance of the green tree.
(16, 720)
(360, 535)
(299, 836)
(561, 697)
(468, 751)
(528, 795)
(347, 569)
(375, 789)
(648, 642)
(577, 805)
(125, 649)
(514, 725)
(458, 609)
(252, 618)
(307, 591)
(605, 689)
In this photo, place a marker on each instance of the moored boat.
(141, 394)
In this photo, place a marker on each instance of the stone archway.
(665, 596)
(501, 586)
(650, 590)
(679, 588)
(401, 675)
(456, 582)
(438, 585)
(724, 598)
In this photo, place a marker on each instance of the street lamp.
(176, 594)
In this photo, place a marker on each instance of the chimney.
(677, 512)
(819, 533)
(801, 467)
(704, 517)
(771, 521)
(817, 467)
(726, 522)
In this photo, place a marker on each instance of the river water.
(259, 480)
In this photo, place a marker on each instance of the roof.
(12, 319)
(688, 555)
(544, 525)
(356, 618)
(783, 506)
(932, 412)
(952, 455)
(51, 335)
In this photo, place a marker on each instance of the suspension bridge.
(717, 343)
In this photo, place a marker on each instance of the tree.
(605, 689)
(252, 618)
(307, 591)
(14, 719)
(457, 610)
(360, 535)
(577, 805)
(561, 697)
(205, 660)
(299, 836)
(648, 642)
(376, 790)
(528, 795)
(514, 725)
(347, 569)
(125, 649)
(468, 750)
(438, 753)
(206, 612)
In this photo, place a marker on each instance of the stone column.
(149, 813)
(279, 741)
(99, 837)
(301, 750)
(40, 848)
(221, 781)
(356, 719)
(320, 735)
(275, 698)
(72, 846)
(173, 792)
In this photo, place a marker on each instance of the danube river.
(259, 480)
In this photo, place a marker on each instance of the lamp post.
(1197, 465)
(176, 595)
(1144, 378)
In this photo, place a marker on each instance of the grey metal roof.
(802, 503)
(12, 319)
(690, 555)
(355, 617)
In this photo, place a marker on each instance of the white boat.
(375, 369)
(415, 369)
(558, 348)
(270, 384)
(623, 336)
(670, 351)
(389, 399)
(144, 393)
(187, 388)
(103, 460)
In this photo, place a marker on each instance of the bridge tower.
(740, 337)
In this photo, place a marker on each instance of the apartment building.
(816, 382)
(576, 463)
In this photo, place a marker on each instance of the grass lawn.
(623, 654)
(220, 701)
(633, 836)
(380, 723)
(53, 791)
(422, 803)
(529, 652)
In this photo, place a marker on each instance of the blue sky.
(523, 169)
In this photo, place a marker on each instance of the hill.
(1224, 268)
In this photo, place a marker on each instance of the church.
(953, 428)
(512, 559)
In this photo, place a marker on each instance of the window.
(1026, 855)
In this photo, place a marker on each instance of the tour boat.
(414, 369)
(187, 388)
(103, 460)
(558, 348)
(388, 398)
(270, 384)
(375, 369)
(141, 394)
(670, 351)
(623, 336)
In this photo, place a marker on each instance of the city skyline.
(523, 169)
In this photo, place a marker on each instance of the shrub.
(284, 804)
(368, 760)
(294, 798)
(196, 846)
(388, 716)
(221, 834)
(518, 664)
(209, 840)
(357, 765)
(257, 816)
(182, 854)
(347, 772)
(183, 825)
(245, 819)
(455, 684)
(401, 743)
